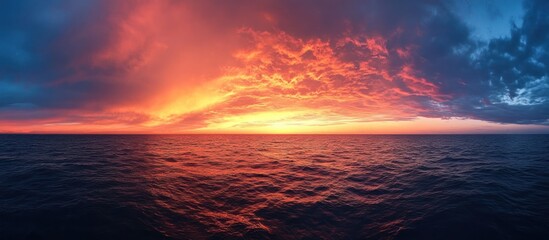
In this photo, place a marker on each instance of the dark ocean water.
(274, 187)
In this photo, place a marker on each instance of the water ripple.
(274, 187)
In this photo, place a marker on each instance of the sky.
(274, 66)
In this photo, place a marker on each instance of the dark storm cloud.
(33, 63)
(512, 74)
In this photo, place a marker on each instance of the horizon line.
(251, 134)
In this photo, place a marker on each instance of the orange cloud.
(282, 81)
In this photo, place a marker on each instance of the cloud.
(198, 64)
(106, 57)
(512, 79)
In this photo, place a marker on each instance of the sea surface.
(274, 186)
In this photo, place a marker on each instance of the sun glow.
(271, 121)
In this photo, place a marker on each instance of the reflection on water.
(274, 187)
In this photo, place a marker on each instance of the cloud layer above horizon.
(211, 65)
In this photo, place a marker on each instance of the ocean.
(274, 186)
